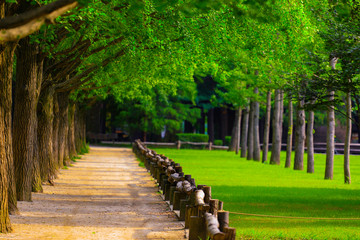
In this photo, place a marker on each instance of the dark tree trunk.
(211, 126)
(250, 143)
(244, 132)
(235, 135)
(6, 154)
(37, 182)
(289, 135)
(267, 127)
(224, 123)
(347, 176)
(256, 154)
(299, 136)
(63, 101)
(25, 118)
(310, 142)
(45, 134)
(55, 141)
(276, 138)
(71, 135)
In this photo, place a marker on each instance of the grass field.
(252, 187)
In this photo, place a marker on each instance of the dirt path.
(105, 195)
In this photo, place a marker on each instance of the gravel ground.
(104, 195)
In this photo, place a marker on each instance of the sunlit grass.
(252, 187)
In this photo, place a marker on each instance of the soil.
(104, 195)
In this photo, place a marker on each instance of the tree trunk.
(244, 132)
(256, 154)
(45, 134)
(289, 135)
(71, 135)
(224, 123)
(310, 142)
(299, 136)
(6, 155)
(235, 135)
(25, 118)
(330, 139)
(37, 182)
(276, 138)
(63, 101)
(211, 132)
(56, 143)
(267, 127)
(347, 176)
(250, 143)
(330, 136)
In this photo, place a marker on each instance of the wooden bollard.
(197, 228)
(177, 197)
(178, 169)
(171, 194)
(207, 191)
(214, 206)
(221, 205)
(230, 233)
(178, 144)
(163, 182)
(183, 203)
(223, 218)
(167, 191)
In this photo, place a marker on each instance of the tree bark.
(347, 176)
(310, 142)
(330, 136)
(63, 101)
(71, 135)
(244, 132)
(224, 123)
(56, 143)
(37, 182)
(6, 155)
(276, 138)
(45, 134)
(267, 127)
(211, 132)
(235, 135)
(256, 154)
(299, 136)
(250, 143)
(330, 139)
(289, 135)
(25, 118)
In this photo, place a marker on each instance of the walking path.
(105, 195)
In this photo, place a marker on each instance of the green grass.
(252, 187)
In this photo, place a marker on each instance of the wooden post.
(167, 192)
(221, 205)
(178, 144)
(230, 233)
(197, 228)
(183, 203)
(178, 196)
(214, 206)
(210, 145)
(171, 196)
(207, 191)
(223, 217)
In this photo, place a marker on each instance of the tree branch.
(16, 27)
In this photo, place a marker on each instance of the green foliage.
(248, 187)
(193, 137)
(227, 140)
(218, 142)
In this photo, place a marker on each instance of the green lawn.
(252, 187)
